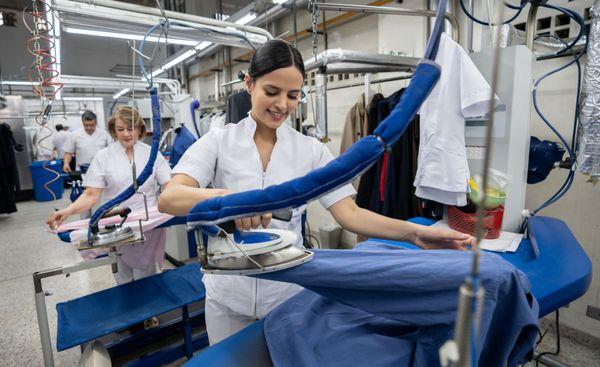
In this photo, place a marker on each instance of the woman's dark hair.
(273, 55)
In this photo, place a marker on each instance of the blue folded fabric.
(387, 306)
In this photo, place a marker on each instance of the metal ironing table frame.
(40, 294)
(535, 257)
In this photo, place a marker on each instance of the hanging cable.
(478, 21)
(572, 147)
(41, 45)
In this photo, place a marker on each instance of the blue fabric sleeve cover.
(146, 172)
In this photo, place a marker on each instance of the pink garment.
(142, 255)
(138, 255)
(79, 228)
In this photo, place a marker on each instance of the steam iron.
(233, 252)
(112, 235)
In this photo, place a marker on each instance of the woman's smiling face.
(275, 95)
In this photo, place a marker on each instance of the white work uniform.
(228, 158)
(85, 146)
(462, 92)
(58, 140)
(111, 171)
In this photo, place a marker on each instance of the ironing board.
(556, 265)
(93, 316)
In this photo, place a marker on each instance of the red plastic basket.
(465, 222)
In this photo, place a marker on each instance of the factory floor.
(26, 248)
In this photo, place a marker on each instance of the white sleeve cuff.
(337, 195)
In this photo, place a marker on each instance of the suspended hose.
(570, 148)
(438, 28)
(487, 24)
(146, 172)
(48, 85)
(193, 107)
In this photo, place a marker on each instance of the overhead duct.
(588, 157)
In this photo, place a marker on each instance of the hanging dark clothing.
(388, 188)
(368, 179)
(238, 105)
(9, 176)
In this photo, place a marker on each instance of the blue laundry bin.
(40, 176)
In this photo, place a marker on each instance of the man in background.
(84, 144)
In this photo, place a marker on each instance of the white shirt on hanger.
(228, 158)
(85, 146)
(462, 92)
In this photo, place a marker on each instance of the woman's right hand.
(248, 223)
(57, 218)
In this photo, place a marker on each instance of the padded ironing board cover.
(92, 316)
(382, 305)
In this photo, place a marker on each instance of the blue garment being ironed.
(183, 140)
(381, 305)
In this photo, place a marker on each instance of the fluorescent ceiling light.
(127, 36)
(202, 45)
(156, 72)
(246, 19)
(18, 82)
(279, 1)
(179, 59)
(120, 93)
(83, 98)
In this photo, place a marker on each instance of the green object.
(492, 200)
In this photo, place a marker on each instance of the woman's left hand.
(429, 238)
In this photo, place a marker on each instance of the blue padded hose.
(146, 172)
(193, 107)
(339, 171)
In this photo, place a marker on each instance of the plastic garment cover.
(183, 140)
(381, 305)
(588, 158)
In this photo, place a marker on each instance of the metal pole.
(548, 361)
(171, 14)
(367, 89)
(42, 314)
(295, 12)
(470, 27)
(531, 26)
(389, 10)
(321, 106)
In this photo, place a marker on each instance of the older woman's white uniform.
(228, 158)
(110, 170)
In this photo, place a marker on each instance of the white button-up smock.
(461, 92)
(111, 171)
(228, 158)
(85, 146)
